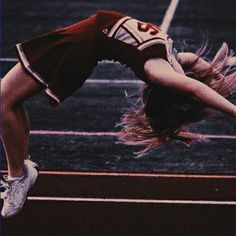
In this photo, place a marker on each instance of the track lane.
(94, 217)
(136, 187)
(100, 219)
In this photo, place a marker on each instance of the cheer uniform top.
(63, 59)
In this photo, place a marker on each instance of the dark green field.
(97, 107)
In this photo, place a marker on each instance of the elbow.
(195, 90)
(187, 58)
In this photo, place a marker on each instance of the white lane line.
(114, 81)
(136, 201)
(9, 59)
(169, 15)
(143, 175)
(75, 133)
(13, 59)
(81, 133)
(215, 136)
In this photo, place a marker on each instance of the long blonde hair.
(163, 114)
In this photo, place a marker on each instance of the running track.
(72, 203)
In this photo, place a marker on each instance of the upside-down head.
(164, 114)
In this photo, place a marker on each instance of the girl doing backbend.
(181, 88)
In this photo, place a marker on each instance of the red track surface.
(109, 204)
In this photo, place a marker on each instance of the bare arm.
(199, 64)
(187, 58)
(160, 72)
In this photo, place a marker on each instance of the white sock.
(14, 178)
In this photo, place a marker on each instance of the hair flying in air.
(164, 114)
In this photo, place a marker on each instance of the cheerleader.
(180, 88)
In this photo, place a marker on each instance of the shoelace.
(5, 187)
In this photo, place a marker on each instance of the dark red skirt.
(63, 59)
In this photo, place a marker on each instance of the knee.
(9, 98)
(9, 109)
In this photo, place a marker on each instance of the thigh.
(17, 86)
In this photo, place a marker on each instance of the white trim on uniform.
(117, 25)
(150, 43)
(27, 65)
(126, 30)
(130, 27)
(121, 34)
(52, 95)
(22, 55)
(35, 74)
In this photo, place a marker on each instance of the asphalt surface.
(96, 214)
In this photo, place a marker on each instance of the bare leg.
(16, 87)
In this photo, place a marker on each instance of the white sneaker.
(16, 191)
